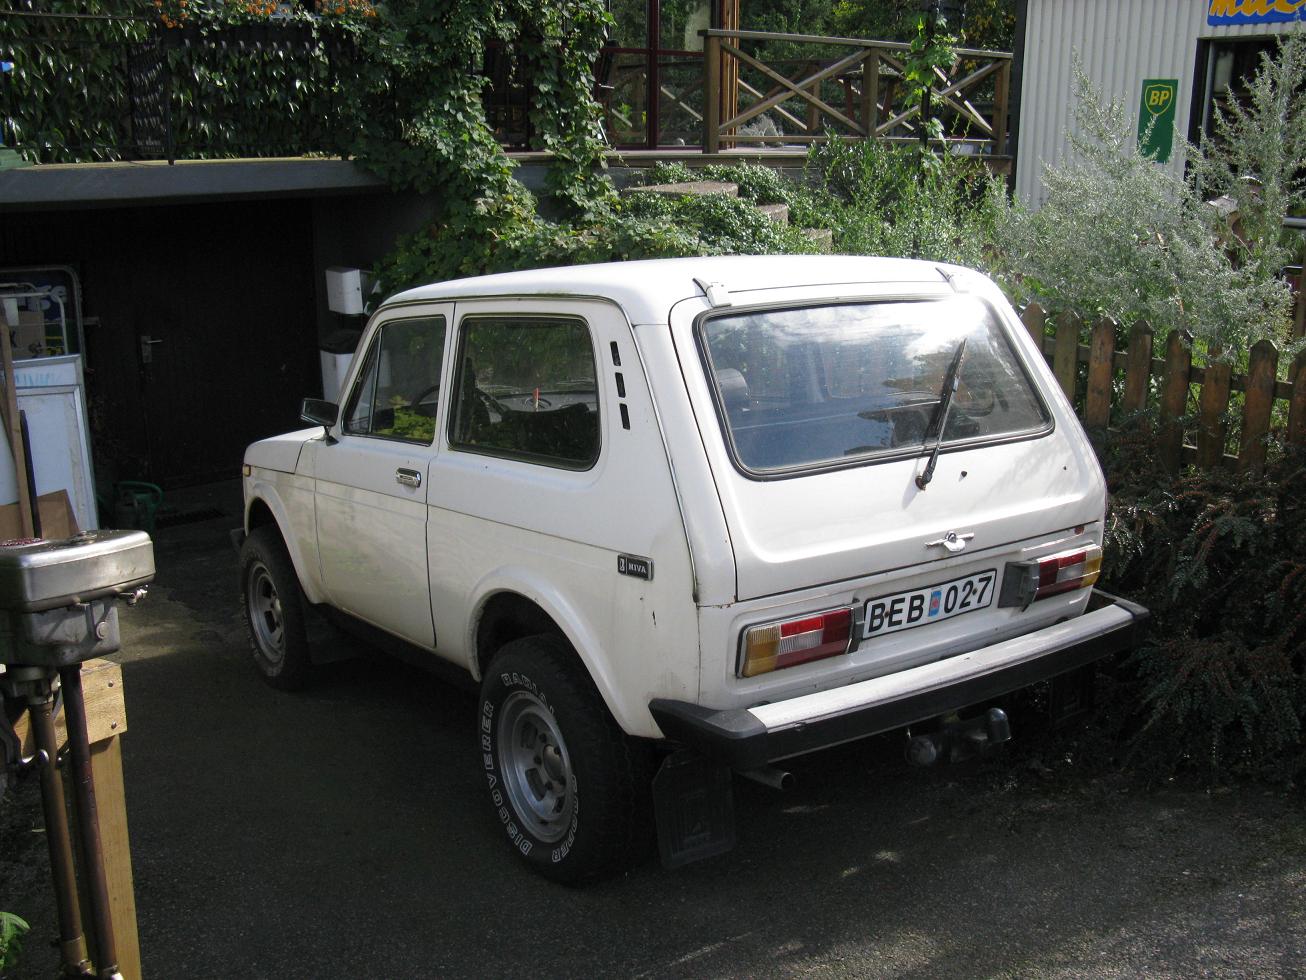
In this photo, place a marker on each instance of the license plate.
(905, 610)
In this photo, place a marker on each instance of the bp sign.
(1156, 117)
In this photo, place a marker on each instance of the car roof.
(647, 289)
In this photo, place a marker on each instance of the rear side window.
(398, 388)
(821, 386)
(526, 389)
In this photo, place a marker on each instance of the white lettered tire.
(569, 789)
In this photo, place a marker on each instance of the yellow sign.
(1158, 97)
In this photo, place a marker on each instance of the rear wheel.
(274, 610)
(570, 789)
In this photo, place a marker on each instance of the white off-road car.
(686, 517)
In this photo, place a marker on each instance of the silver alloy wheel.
(263, 606)
(535, 766)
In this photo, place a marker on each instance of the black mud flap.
(1070, 696)
(695, 809)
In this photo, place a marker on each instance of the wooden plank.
(106, 720)
(106, 709)
(1174, 401)
(1212, 429)
(1001, 96)
(712, 56)
(1063, 354)
(1297, 403)
(1299, 314)
(1035, 320)
(14, 433)
(1262, 366)
(871, 90)
(111, 805)
(1138, 368)
(1097, 398)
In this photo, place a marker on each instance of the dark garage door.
(206, 338)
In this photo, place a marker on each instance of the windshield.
(832, 384)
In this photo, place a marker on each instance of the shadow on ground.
(342, 832)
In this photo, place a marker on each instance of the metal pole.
(72, 942)
(88, 825)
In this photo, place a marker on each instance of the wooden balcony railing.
(852, 88)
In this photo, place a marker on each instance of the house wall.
(1118, 43)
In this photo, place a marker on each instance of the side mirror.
(320, 412)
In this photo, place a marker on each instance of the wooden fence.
(1121, 382)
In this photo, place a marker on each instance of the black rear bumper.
(737, 738)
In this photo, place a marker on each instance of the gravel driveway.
(342, 833)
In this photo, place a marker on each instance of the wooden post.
(1212, 430)
(729, 79)
(1174, 401)
(1101, 373)
(1001, 91)
(1138, 368)
(1065, 353)
(813, 113)
(1297, 403)
(712, 95)
(1262, 369)
(1035, 321)
(1299, 314)
(871, 91)
(14, 433)
(106, 721)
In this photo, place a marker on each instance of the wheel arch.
(515, 605)
(265, 509)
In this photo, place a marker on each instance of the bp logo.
(1156, 117)
(1159, 96)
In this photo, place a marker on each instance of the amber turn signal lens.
(775, 646)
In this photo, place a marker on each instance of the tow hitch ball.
(957, 740)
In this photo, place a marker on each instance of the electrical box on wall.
(346, 289)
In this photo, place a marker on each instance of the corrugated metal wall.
(1119, 43)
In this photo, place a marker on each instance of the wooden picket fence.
(1185, 391)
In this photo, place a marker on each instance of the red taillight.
(1052, 575)
(795, 641)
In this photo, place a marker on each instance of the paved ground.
(342, 833)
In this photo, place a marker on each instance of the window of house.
(526, 388)
(398, 389)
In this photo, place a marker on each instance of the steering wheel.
(416, 401)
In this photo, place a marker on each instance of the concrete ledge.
(79, 185)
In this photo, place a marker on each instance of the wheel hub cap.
(536, 767)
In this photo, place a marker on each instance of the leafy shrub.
(1220, 560)
(1120, 236)
(12, 930)
(885, 199)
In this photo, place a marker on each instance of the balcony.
(98, 88)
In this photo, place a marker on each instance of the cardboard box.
(28, 335)
(57, 518)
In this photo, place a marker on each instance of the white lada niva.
(684, 517)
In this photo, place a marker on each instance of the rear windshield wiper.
(939, 419)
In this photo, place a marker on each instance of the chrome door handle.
(409, 478)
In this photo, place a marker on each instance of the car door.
(370, 489)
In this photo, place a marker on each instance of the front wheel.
(570, 789)
(274, 610)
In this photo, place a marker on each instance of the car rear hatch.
(820, 419)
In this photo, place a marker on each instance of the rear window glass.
(830, 384)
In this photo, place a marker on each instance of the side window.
(526, 389)
(398, 389)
